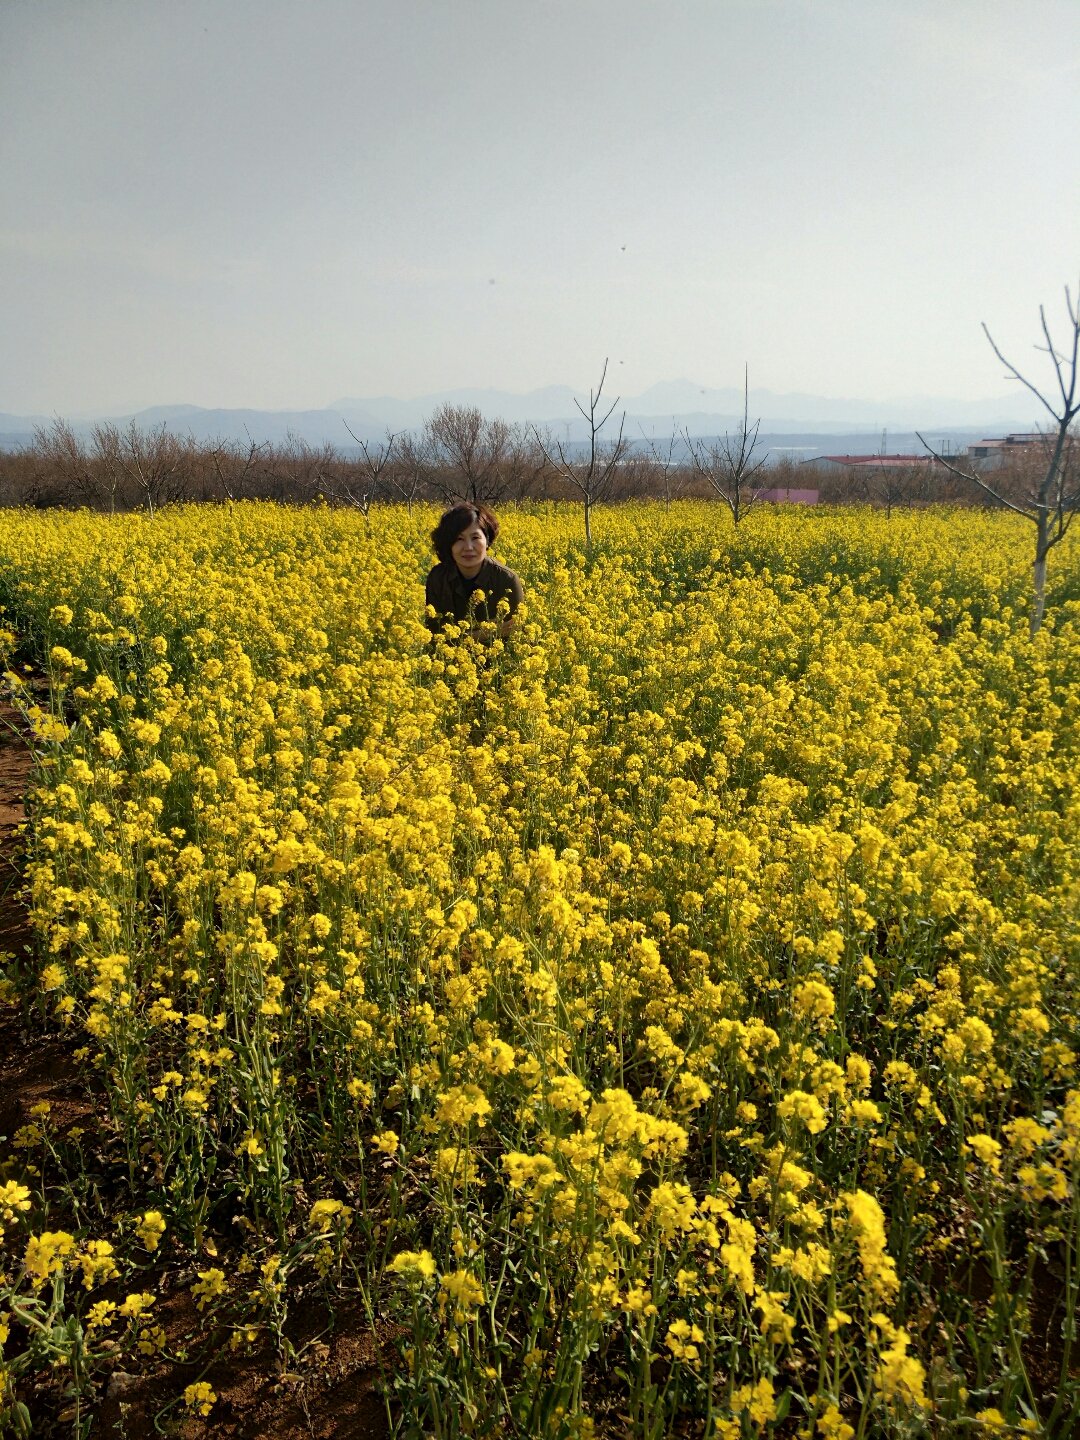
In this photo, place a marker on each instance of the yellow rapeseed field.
(667, 1019)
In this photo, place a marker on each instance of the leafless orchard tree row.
(459, 454)
(117, 469)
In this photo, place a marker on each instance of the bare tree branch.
(1011, 368)
(1052, 501)
(673, 477)
(974, 478)
(592, 475)
(728, 465)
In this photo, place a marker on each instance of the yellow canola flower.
(737, 1253)
(691, 1091)
(899, 1377)
(100, 1314)
(539, 1173)
(831, 1425)
(46, 1253)
(135, 1305)
(814, 1000)
(325, 1213)
(462, 1104)
(866, 1221)
(1025, 1135)
(210, 1286)
(200, 1397)
(757, 1400)
(777, 1325)
(415, 1265)
(987, 1150)
(460, 1295)
(14, 1199)
(672, 1207)
(684, 1340)
(97, 1263)
(863, 1113)
(807, 1108)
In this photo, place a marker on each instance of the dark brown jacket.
(453, 598)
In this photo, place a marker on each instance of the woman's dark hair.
(459, 518)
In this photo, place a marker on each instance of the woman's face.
(469, 550)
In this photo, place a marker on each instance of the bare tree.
(729, 465)
(296, 463)
(412, 471)
(359, 489)
(469, 454)
(67, 462)
(21, 476)
(1052, 496)
(673, 475)
(233, 467)
(591, 474)
(892, 485)
(151, 461)
(525, 465)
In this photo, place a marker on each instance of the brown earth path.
(33, 1067)
(331, 1392)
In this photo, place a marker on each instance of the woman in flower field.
(467, 582)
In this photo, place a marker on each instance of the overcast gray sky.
(278, 203)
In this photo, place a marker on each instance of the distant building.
(991, 453)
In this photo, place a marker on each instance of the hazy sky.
(278, 203)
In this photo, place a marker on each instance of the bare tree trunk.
(1042, 545)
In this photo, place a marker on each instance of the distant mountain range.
(690, 407)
